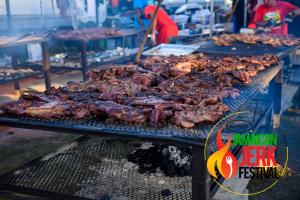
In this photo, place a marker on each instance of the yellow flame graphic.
(216, 159)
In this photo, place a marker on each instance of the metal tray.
(171, 49)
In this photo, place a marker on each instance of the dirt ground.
(18, 146)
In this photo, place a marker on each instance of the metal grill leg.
(277, 98)
(200, 185)
(46, 64)
(17, 88)
(84, 63)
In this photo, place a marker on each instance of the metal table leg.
(124, 42)
(200, 184)
(46, 64)
(84, 63)
(17, 88)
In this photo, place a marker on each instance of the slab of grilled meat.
(267, 39)
(182, 90)
(87, 34)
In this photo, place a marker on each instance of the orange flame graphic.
(223, 159)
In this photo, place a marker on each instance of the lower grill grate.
(94, 168)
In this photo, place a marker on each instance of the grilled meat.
(118, 112)
(87, 34)
(267, 39)
(183, 90)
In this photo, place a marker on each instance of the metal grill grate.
(17, 76)
(163, 131)
(94, 168)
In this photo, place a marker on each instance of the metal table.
(83, 49)
(201, 185)
(45, 53)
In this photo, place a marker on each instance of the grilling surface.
(184, 91)
(162, 131)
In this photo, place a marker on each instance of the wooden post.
(137, 58)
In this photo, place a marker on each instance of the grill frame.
(23, 180)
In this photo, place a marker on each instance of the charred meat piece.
(119, 112)
(54, 109)
(181, 69)
(243, 76)
(19, 107)
(209, 114)
(87, 34)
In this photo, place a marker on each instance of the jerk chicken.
(182, 90)
(87, 34)
(267, 39)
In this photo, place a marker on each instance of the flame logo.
(223, 159)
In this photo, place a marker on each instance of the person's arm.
(297, 11)
(291, 12)
(290, 9)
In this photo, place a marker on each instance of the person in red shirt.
(272, 13)
(163, 24)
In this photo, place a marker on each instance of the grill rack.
(162, 132)
(18, 77)
(94, 168)
(242, 49)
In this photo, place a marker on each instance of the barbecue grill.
(164, 132)
(93, 168)
(242, 49)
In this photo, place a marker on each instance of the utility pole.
(245, 13)
(8, 14)
(212, 17)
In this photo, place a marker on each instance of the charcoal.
(166, 192)
(169, 168)
(106, 197)
(162, 159)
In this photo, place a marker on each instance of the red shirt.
(165, 27)
(163, 18)
(277, 13)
